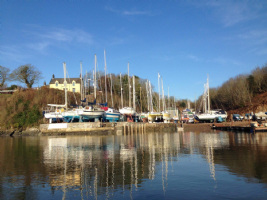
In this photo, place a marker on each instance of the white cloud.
(224, 61)
(14, 53)
(255, 36)
(195, 58)
(43, 38)
(128, 12)
(230, 13)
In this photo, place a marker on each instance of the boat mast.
(121, 93)
(151, 103)
(204, 99)
(195, 103)
(159, 89)
(85, 89)
(133, 92)
(147, 94)
(65, 86)
(111, 90)
(95, 79)
(175, 107)
(81, 67)
(208, 94)
(168, 99)
(130, 102)
(163, 98)
(105, 76)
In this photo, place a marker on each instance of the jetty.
(246, 127)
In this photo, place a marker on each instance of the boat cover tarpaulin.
(260, 114)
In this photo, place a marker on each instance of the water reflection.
(124, 166)
(98, 165)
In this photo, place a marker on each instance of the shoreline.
(95, 128)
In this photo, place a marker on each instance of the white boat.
(152, 116)
(166, 117)
(112, 115)
(90, 112)
(209, 115)
(55, 111)
(71, 115)
(127, 110)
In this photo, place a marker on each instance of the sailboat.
(129, 110)
(68, 115)
(110, 114)
(166, 115)
(91, 112)
(209, 115)
(153, 116)
(58, 109)
(71, 115)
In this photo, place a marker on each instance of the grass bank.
(23, 109)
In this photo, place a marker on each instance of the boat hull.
(112, 117)
(128, 111)
(91, 114)
(53, 115)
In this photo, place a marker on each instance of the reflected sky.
(184, 165)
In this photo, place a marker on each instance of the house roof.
(61, 80)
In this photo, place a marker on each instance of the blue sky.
(183, 40)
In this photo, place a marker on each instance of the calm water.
(217, 165)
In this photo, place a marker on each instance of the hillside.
(24, 108)
(257, 104)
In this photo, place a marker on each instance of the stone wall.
(99, 128)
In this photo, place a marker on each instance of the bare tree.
(27, 74)
(4, 75)
(258, 74)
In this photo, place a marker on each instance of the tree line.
(237, 92)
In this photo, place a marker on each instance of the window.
(73, 83)
(73, 89)
(56, 84)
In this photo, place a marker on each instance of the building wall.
(70, 87)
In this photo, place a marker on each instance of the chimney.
(53, 76)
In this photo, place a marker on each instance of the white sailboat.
(58, 110)
(151, 115)
(128, 110)
(209, 115)
(166, 115)
(111, 114)
(91, 112)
